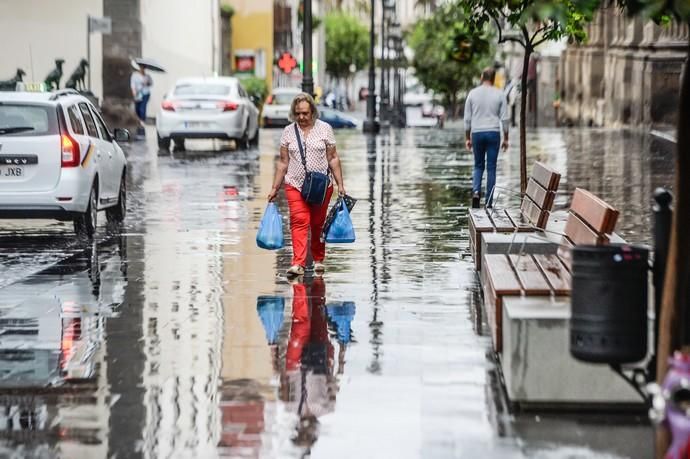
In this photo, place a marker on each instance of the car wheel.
(254, 141)
(243, 142)
(179, 144)
(116, 214)
(85, 224)
(163, 142)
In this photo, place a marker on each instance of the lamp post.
(371, 125)
(307, 80)
(395, 35)
(388, 10)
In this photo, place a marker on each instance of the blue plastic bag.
(270, 234)
(341, 229)
(270, 309)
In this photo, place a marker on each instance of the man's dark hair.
(489, 74)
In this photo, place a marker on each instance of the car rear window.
(42, 119)
(283, 99)
(204, 89)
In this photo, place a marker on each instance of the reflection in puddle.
(184, 339)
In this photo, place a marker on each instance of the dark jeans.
(485, 145)
(140, 107)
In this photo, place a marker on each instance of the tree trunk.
(674, 306)
(523, 121)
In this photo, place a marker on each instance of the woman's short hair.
(303, 97)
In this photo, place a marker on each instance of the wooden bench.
(532, 215)
(590, 221)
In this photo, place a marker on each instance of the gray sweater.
(486, 110)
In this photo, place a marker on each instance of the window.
(88, 119)
(242, 92)
(202, 89)
(75, 120)
(102, 130)
(38, 119)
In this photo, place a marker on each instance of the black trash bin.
(609, 304)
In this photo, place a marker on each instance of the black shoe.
(475, 201)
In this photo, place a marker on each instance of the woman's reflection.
(307, 384)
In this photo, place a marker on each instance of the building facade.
(627, 74)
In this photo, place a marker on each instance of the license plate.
(11, 171)
(195, 125)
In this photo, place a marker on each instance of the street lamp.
(307, 80)
(387, 12)
(371, 125)
(395, 38)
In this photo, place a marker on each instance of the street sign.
(103, 25)
(287, 63)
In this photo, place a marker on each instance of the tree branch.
(501, 38)
(537, 43)
(541, 29)
(528, 43)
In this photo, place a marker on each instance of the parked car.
(58, 160)
(276, 111)
(337, 119)
(207, 108)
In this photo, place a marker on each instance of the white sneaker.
(295, 270)
(319, 267)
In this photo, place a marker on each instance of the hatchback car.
(58, 160)
(337, 119)
(207, 108)
(276, 111)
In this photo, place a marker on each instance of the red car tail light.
(229, 106)
(70, 151)
(168, 105)
(269, 101)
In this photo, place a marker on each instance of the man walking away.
(486, 115)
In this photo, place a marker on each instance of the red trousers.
(303, 218)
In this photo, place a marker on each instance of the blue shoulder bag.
(315, 183)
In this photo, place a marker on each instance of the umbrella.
(149, 64)
(270, 310)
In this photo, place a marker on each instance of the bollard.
(662, 231)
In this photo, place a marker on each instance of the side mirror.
(122, 135)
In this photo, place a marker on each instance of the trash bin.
(609, 303)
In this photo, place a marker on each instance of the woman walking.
(318, 146)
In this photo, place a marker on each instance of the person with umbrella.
(140, 83)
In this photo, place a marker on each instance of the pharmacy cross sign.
(287, 63)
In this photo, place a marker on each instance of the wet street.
(178, 337)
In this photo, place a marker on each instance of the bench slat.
(580, 233)
(545, 176)
(599, 215)
(539, 195)
(565, 254)
(501, 221)
(501, 275)
(534, 213)
(480, 220)
(521, 222)
(556, 273)
(531, 278)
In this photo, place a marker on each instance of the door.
(113, 160)
(99, 156)
(116, 158)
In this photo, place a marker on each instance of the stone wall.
(627, 74)
(118, 48)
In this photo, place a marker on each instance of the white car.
(276, 111)
(58, 160)
(207, 108)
